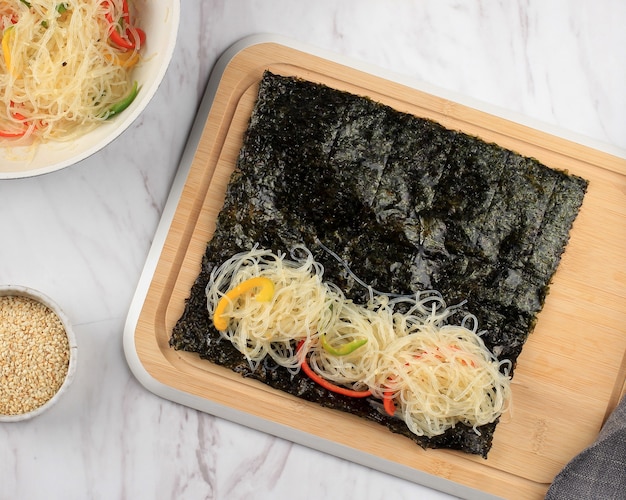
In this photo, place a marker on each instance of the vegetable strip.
(328, 385)
(6, 49)
(388, 404)
(124, 59)
(9, 134)
(265, 294)
(120, 106)
(129, 42)
(344, 349)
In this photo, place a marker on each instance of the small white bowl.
(22, 291)
(160, 20)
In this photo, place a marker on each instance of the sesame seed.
(34, 354)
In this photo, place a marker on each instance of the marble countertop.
(81, 235)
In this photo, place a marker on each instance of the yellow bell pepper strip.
(265, 294)
(6, 49)
(123, 59)
(344, 349)
(329, 385)
(120, 106)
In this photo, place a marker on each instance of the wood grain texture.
(572, 370)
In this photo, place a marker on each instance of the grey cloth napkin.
(599, 471)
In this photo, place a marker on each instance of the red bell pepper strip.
(328, 385)
(14, 135)
(388, 404)
(129, 41)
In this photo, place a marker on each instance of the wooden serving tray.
(570, 374)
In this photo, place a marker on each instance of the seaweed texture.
(408, 204)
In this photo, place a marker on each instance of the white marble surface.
(81, 235)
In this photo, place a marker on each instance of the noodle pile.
(59, 74)
(301, 304)
(437, 374)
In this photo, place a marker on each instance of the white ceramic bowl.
(160, 20)
(22, 291)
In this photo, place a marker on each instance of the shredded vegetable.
(66, 66)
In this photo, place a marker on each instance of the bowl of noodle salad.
(74, 74)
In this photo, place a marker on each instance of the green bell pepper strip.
(304, 365)
(120, 106)
(344, 349)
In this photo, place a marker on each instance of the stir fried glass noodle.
(400, 351)
(65, 66)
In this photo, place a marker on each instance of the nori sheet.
(408, 204)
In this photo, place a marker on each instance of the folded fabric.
(599, 471)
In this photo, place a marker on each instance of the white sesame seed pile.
(34, 354)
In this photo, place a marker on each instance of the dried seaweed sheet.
(408, 204)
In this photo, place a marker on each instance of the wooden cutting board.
(571, 372)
